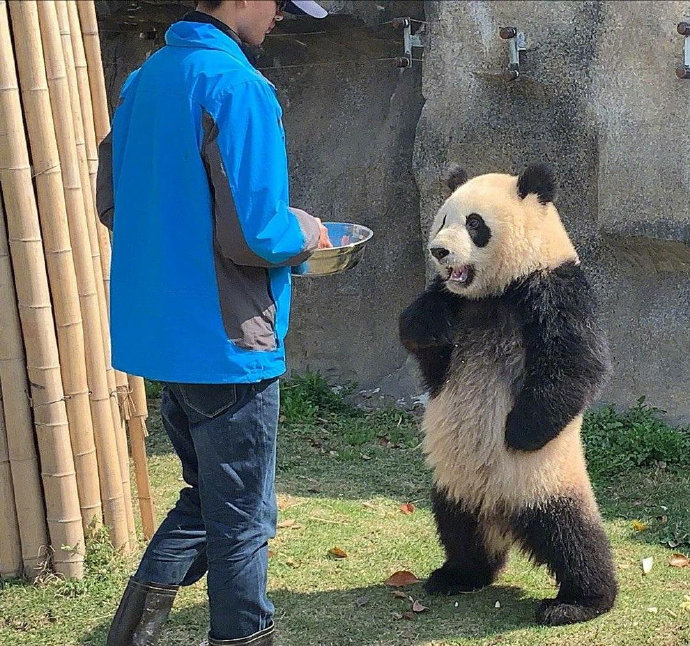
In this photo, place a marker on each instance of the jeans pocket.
(209, 400)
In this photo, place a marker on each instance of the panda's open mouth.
(462, 275)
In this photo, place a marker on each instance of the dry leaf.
(271, 554)
(639, 526)
(399, 594)
(418, 607)
(396, 615)
(401, 578)
(653, 610)
(409, 615)
(647, 564)
(679, 560)
(362, 601)
(287, 523)
(497, 604)
(337, 553)
(407, 508)
(364, 456)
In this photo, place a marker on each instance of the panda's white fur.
(520, 305)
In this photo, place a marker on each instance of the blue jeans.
(225, 436)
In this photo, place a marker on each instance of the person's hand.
(324, 240)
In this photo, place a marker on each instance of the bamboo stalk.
(100, 248)
(137, 434)
(35, 65)
(43, 364)
(101, 400)
(83, 438)
(99, 103)
(33, 532)
(10, 546)
(84, 86)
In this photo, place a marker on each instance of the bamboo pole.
(100, 248)
(10, 546)
(83, 438)
(114, 497)
(21, 447)
(43, 364)
(35, 65)
(137, 434)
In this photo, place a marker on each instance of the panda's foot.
(555, 612)
(448, 581)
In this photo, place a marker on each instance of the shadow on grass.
(332, 618)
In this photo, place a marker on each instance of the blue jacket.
(193, 181)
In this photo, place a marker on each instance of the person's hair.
(209, 4)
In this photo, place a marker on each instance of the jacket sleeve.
(243, 149)
(105, 197)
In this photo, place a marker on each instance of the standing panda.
(508, 344)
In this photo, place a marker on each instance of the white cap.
(306, 7)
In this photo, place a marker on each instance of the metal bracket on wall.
(684, 71)
(516, 44)
(410, 40)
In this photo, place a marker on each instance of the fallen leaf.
(409, 615)
(407, 508)
(399, 594)
(337, 553)
(291, 563)
(653, 610)
(418, 607)
(647, 565)
(396, 615)
(456, 604)
(271, 554)
(401, 578)
(365, 456)
(497, 604)
(679, 560)
(639, 526)
(362, 601)
(290, 522)
(332, 453)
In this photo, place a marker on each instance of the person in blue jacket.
(193, 182)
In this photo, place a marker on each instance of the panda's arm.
(429, 321)
(427, 329)
(567, 358)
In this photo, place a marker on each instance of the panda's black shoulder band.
(566, 355)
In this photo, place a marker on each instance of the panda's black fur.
(537, 342)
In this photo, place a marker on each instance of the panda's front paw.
(419, 330)
(524, 432)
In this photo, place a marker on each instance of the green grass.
(342, 475)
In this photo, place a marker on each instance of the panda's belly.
(464, 427)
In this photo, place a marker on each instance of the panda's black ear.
(454, 177)
(538, 179)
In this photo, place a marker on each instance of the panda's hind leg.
(471, 563)
(566, 534)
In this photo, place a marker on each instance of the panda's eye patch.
(479, 232)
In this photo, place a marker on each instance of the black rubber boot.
(262, 638)
(143, 610)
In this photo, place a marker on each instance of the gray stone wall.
(597, 98)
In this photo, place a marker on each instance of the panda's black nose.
(439, 252)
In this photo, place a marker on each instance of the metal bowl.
(348, 241)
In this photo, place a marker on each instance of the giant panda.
(508, 343)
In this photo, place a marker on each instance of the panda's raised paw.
(553, 612)
(447, 581)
